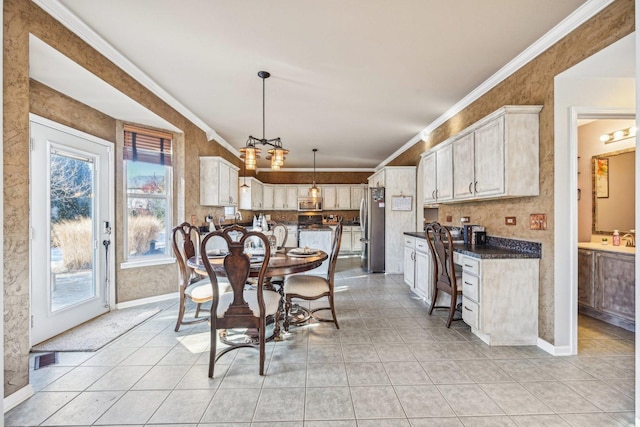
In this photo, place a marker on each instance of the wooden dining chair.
(244, 306)
(445, 277)
(281, 232)
(310, 287)
(191, 287)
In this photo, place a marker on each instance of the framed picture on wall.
(602, 177)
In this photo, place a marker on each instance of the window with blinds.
(148, 180)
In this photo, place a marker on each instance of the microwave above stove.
(309, 204)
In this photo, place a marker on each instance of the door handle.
(470, 185)
(475, 187)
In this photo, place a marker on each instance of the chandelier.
(250, 153)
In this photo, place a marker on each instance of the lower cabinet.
(500, 299)
(606, 286)
(418, 267)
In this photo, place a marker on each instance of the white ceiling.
(358, 79)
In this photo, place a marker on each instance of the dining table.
(284, 262)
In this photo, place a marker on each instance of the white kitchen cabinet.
(292, 192)
(357, 194)
(303, 190)
(500, 299)
(343, 197)
(251, 198)
(345, 242)
(377, 179)
(356, 235)
(328, 197)
(267, 196)
(292, 237)
(489, 160)
(218, 182)
(438, 174)
(418, 267)
(463, 173)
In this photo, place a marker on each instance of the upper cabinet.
(357, 194)
(336, 197)
(251, 198)
(218, 182)
(496, 157)
(267, 196)
(438, 174)
(377, 179)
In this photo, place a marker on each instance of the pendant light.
(244, 187)
(250, 153)
(314, 191)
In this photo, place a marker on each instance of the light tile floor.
(390, 364)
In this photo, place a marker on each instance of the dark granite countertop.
(490, 251)
(323, 228)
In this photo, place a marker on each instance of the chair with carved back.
(186, 238)
(445, 276)
(310, 287)
(244, 306)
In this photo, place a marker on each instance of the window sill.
(147, 262)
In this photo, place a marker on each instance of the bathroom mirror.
(613, 184)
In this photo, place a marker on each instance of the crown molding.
(566, 26)
(371, 170)
(71, 21)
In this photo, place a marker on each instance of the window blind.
(147, 145)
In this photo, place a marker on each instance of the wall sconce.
(619, 135)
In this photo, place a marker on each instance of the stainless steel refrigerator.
(372, 223)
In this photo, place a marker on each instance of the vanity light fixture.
(250, 153)
(314, 191)
(619, 135)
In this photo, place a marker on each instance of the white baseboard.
(564, 350)
(17, 397)
(149, 300)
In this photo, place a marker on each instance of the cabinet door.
(343, 197)
(357, 194)
(345, 242)
(615, 287)
(586, 291)
(224, 185)
(233, 187)
(256, 195)
(422, 275)
(409, 266)
(444, 173)
(489, 159)
(329, 197)
(267, 196)
(291, 202)
(303, 190)
(209, 181)
(429, 177)
(463, 164)
(279, 197)
(356, 244)
(292, 237)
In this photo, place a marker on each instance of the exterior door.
(71, 211)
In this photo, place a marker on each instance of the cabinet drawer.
(471, 265)
(470, 313)
(470, 286)
(422, 246)
(409, 242)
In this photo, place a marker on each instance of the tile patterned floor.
(390, 364)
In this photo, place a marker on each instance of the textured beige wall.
(533, 85)
(22, 17)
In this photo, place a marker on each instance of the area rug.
(98, 332)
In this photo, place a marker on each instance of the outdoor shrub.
(142, 229)
(73, 238)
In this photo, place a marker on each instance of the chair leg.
(180, 313)
(433, 299)
(261, 337)
(333, 311)
(452, 310)
(287, 307)
(212, 347)
(198, 309)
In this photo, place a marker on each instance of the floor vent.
(45, 359)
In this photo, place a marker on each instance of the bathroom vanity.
(606, 283)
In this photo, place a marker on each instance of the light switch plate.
(465, 219)
(510, 220)
(538, 221)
